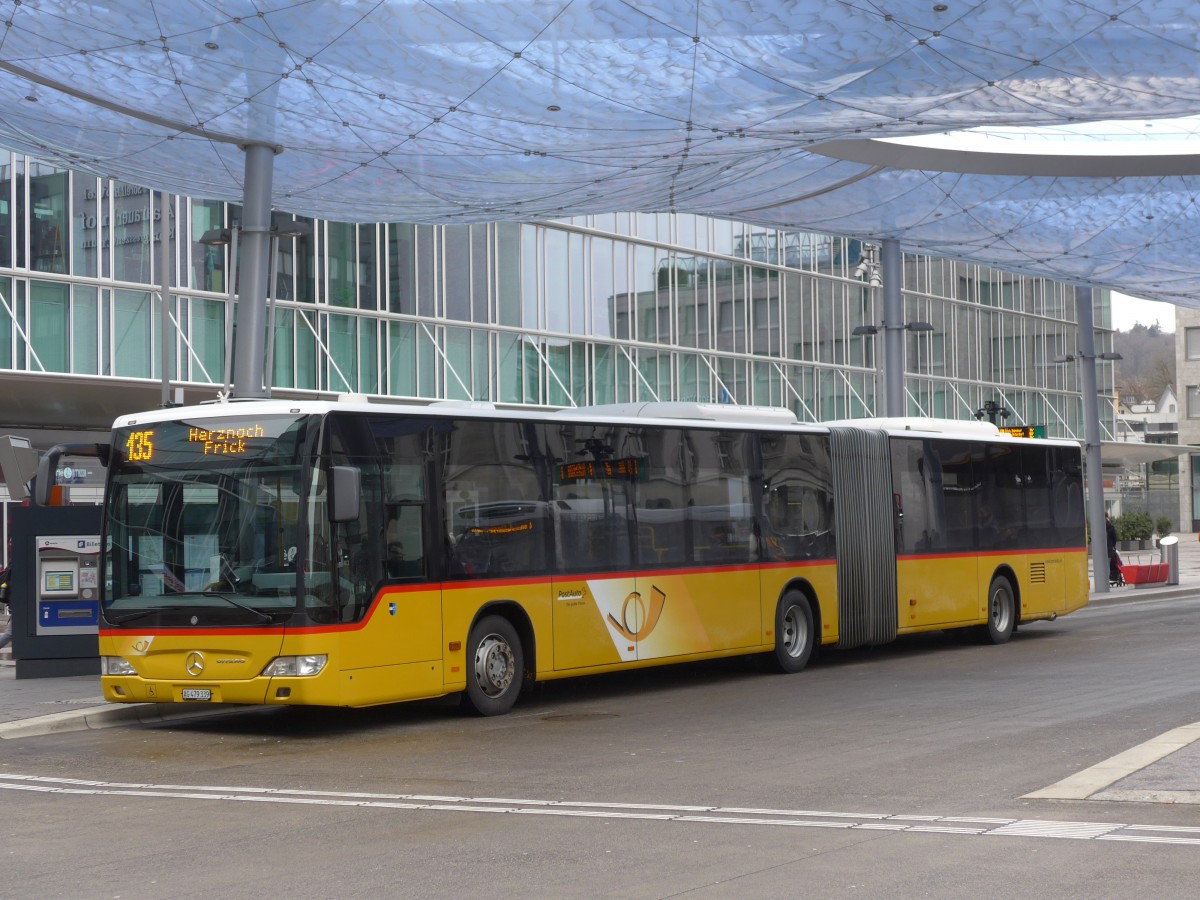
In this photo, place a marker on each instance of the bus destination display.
(627, 468)
(234, 439)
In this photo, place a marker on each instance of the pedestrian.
(6, 637)
(1115, 575)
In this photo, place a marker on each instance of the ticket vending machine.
(67, 597)
(55, 590)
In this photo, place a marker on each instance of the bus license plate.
(197, 693)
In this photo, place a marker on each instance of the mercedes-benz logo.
(194, 663)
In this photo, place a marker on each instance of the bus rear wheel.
(1002, 613)
(795, 635)
(495, 666)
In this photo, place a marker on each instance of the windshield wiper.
(262, 616)
(129, 617)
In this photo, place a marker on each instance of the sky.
(1128, 311)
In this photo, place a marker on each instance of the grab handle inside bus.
(345, 493)
(46, 480)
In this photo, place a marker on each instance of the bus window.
(1002, 517)
(591, 493)
(798, 497)
(917, 529)
(662, 497)
(961, 489)
(719, 506)
(495, 509)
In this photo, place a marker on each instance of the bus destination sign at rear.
(626, 468)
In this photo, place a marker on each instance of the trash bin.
(1168, 549)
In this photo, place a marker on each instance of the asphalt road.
(900, 771)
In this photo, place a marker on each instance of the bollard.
(1168, 549)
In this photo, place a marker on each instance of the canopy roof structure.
(778, 112)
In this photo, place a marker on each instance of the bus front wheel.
(1002, 613)
(795, 635)
(495, 666)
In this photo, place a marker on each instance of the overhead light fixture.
(217, 237)
(291, 228)
(874, 329)
(1071, 357)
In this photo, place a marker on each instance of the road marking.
(1093, 780)
(983, 826)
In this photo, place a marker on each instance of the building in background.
(1187, 374)
(599, 309)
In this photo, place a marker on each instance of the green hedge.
(1134, 526)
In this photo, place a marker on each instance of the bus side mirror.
(45, 482)
(345, 493)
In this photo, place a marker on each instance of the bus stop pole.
(250, 350)
(893, 328)
(1091, 424)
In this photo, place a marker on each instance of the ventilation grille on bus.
(866, 548)
(1037, 573)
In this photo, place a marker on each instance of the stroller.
(1115, 576)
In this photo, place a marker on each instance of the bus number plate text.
(197, 693)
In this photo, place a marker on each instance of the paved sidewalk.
(1154, 772)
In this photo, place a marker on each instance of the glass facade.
(599, 309)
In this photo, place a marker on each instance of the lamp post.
(220, 237)
(992, 410)
(886, 270)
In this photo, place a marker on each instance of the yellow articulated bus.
(351, 553)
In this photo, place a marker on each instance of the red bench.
(1148, 573)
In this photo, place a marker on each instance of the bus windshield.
(203, 521)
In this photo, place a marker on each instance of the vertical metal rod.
(1091, 430)
(164, 256)
(893, 327)
(272, 286)
(250, 352)
(231, 305)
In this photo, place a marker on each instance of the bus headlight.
(296, 665)
(115, 665)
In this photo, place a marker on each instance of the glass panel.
(85, 328)
(402, 359)
(402, 268)
(283, 354)
(208, 260)
(48, 326)
(508, 273)
(340, 259)
(368, 356)
(48, 248)
(368, 270)
(133, 222)
(343, 353)
(133, 335)
(85, 215)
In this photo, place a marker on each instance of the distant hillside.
(1147, 363)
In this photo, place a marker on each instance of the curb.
(97, 717)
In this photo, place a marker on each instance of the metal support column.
(249, 358)
(1091, 424)
(164, 255)
(893, 328)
